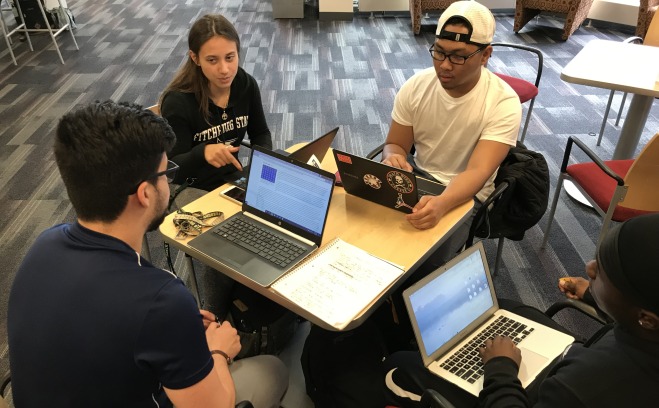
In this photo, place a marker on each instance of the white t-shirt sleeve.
(403, 112)
(504, 120)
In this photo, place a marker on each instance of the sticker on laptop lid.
(400, 182)
(313, 161)
(372, 181)
(343, 158)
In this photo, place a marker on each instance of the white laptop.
(454, 305)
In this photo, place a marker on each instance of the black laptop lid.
(288, 193)
(389, 186)
(318, 147)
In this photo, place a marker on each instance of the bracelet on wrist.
(223, 354)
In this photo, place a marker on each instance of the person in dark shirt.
(211, 104)
(93, 324)
(616, 367)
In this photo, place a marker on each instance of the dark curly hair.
(104, 150)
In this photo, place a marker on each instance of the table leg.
(633, 127)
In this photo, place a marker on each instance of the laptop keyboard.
(260, 241)
(466, 363)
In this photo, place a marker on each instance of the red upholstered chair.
(575, 12)
(617, 189)
(526, 91)
(647, 9)
(418, 7)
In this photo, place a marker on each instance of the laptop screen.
(288, 192)
(447, 304)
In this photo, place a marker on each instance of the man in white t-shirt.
(460, 118)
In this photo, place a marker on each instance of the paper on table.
(338, 283)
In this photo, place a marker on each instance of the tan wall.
(335, 6)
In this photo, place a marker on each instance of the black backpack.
(264, 326)
(344, 369)
(525, 200)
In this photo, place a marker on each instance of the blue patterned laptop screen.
(288, 192)
(447, 304)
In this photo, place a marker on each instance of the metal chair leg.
(606, 115)
(552, 211)
(497, 261)
(7, 38)
(622, 105)
(528, 119)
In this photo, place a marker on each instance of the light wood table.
(379, 230)
(624, 67)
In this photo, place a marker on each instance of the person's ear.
(193, 57)
(486, 54)
(143, 194)
(648, 320)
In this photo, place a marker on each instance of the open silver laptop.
(282, 219)
(455, 305)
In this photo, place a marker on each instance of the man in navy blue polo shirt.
(92, 323)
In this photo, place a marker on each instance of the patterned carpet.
(313, 75)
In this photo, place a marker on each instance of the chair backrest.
(536, 51)
(652, 36)
(642, 179)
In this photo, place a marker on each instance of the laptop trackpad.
(532, 364)
(237, 256)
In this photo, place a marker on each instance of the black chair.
(433, 399)
(480, 226)
(583, 307)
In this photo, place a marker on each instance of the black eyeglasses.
(453, 58)
(172, 168)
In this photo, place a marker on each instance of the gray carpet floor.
(314, 75)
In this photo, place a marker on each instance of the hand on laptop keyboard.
(500, 347)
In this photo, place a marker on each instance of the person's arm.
(217, 388)
(191, 158)
(173, 344)
(188, 158)
(483, 162)
(577, 288)
(501, 386)
(397, 145)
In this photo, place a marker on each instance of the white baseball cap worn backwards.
(476, 17)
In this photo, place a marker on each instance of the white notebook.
(338, 282)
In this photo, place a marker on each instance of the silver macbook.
(282, 219)
(453, 311)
